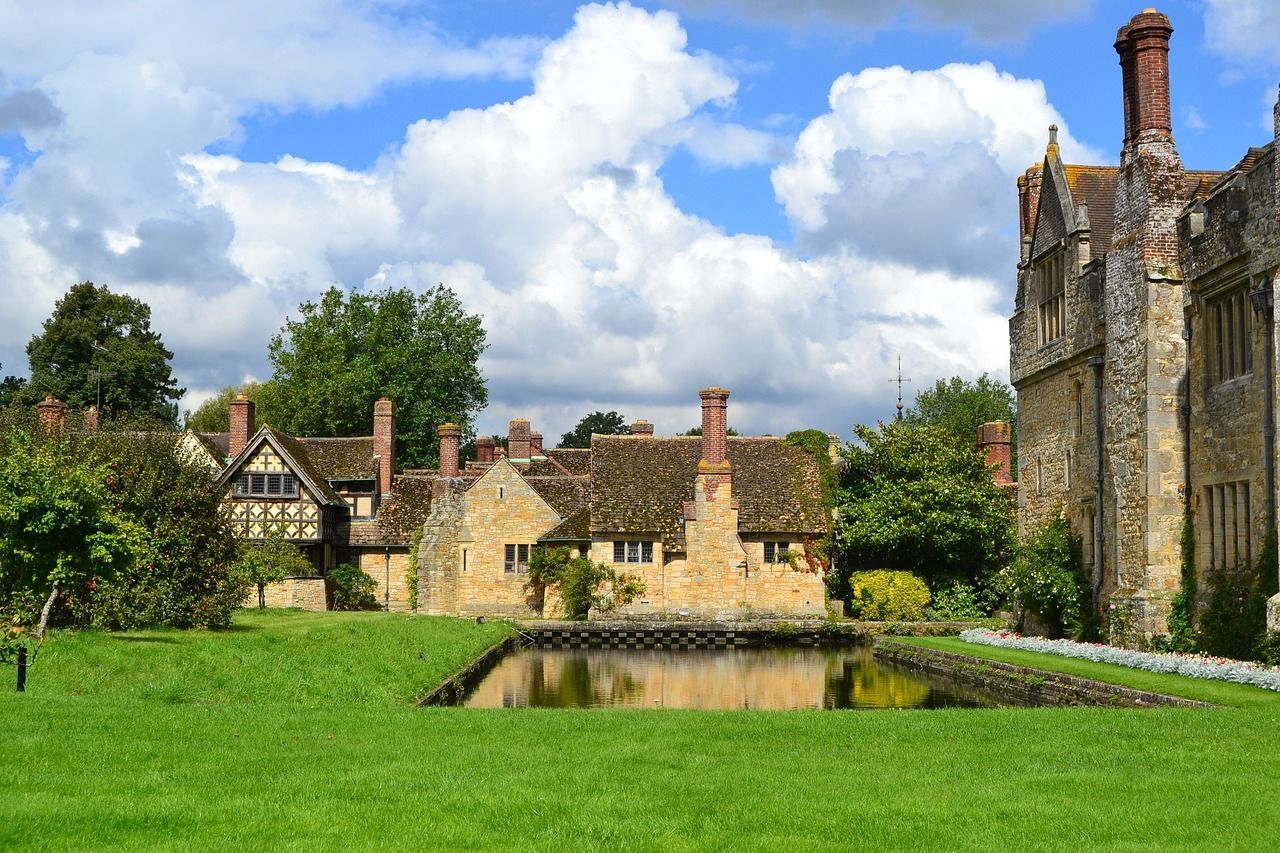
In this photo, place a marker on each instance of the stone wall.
(303, 593)
(374, 563)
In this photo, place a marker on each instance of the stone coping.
(1025, 684)
(455, 687)
(770, 625)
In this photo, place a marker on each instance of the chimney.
(715, 403)
(484, 449)
(384, 443)
(1028, 201)
(243, 424)
(91, 419)
(499, 452)
(53, 414)
(642, 427)
(450, 435)
(518, 440)
(1143, 45)
(995, 443)
(535, 445)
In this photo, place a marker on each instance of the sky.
(779, 197)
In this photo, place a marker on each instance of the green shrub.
(1268, 648)
(1226, 628)
(1046, 578)
(580, 582)
(350, 588)
(884, 595)
(954, 601)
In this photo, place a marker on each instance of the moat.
(771, 678)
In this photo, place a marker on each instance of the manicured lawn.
(299, 732)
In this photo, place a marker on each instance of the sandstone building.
(1142, 347)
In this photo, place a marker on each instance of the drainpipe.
(1185, 409)
(1263, 300)
(1096, 363)
(386, 583)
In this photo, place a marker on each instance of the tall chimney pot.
(715, 439)
(642, 427)
(384, 443)
(484, 449)
(243, 417)
(53, 414)
(450, 436)
(995, 443)
(518, 445)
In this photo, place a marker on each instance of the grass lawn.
(298, 731)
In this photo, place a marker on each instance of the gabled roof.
(217, 443)
(575, 528)
(295, 456)
(640, 485)
(1095, 187)
(566, 495)
(342, 458)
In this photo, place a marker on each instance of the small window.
(777, 552)
(633, 552)
(1230, 337)
(515, 559)
(1051, 280)
(266, 486)
(501, 492)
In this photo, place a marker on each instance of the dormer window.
(1051, 286)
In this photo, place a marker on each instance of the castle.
(714, 526)
(1142, 348)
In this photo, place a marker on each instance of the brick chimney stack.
(518, 440)
(53, 414)
(91, 419)
(243, 424)
(1028, 201)
(995, 443)
(642, 427)
(450, 437)
(384, 443)
(1143, 45)
(715, 439)
(484, 449)
(535, 446)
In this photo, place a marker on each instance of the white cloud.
(985, 20)
(918, 166)
(547, 216)
(1244, 32)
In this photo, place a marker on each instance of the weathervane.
(899, 380)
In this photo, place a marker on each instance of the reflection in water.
(763, 678)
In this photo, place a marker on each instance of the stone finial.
(1053, 136)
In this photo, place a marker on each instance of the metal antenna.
(99, 375)
(899, 380)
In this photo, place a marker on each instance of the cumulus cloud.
(984, 20)
(916, 166)
(1244, 32)
(547, 216)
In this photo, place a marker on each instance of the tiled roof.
(217, 443)
(299, 453)
(1200, 184)
(575, 460)
(1095, 186)
(342, 458)
(566, 495)
(640, 484)
(402, 515)
(1251, 158)
(544, 468)
(575, 528)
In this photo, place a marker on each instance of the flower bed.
(1194, 666)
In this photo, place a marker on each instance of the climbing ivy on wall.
(411, 571)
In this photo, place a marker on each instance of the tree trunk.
(262, 596)
(44, 614)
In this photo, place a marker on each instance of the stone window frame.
(251, 484)
(1051, 297)
(636, 551)
(515, 558)
(1228, 335)
(1228, 525)
(774, 549)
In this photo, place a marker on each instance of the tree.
(349, 349)
(271, 561)
(58, 531)
(960, 407)
(913, 498)
(9, 388)
(214, 414)
(597, 423)
(99, 340)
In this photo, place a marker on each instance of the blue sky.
(706, 214)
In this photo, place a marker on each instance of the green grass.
(197, 743)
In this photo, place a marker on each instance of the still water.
(709, 678)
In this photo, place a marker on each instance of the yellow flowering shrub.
(884, 595)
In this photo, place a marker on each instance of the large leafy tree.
(596, 423)
(912, 498)
(97, 339)
(214, 414)
(9, 388)
(419, 349)
(959, 407)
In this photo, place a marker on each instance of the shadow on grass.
(125, 638)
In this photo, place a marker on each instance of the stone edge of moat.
(1025, 685)
(455, 688)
